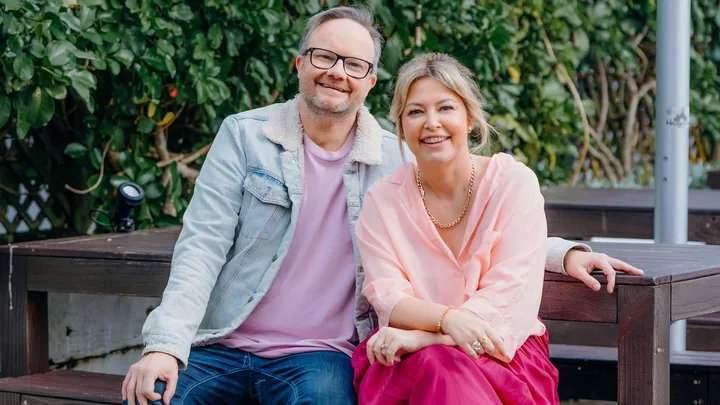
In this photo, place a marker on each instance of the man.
(266, 278)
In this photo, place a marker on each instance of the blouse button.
(458, 275)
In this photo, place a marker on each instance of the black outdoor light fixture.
(129, 196)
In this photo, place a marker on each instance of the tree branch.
(99, 180)
(628, 130)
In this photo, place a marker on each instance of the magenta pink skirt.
(446, 375)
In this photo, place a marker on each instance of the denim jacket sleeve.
(208, 233)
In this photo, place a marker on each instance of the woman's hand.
(472, 334)
(389, 344)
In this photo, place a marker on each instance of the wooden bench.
(680, 282)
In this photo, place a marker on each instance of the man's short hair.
(359, 14)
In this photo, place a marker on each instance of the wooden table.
(580, 213)
(680, 282)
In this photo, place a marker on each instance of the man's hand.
(579, 264)
(140, 380)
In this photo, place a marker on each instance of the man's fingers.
(130, 390)
(170, 389)
(124, 386)
(624, 267)
(147, 389)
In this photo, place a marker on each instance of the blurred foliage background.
(98, 92)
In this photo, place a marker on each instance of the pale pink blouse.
(499, 272)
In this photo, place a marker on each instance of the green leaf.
(56, 91)
(70, 20)
(145, 125)
(554, 91)
(76, 150)
(215, 36)
(92, 36)
(5, 108)
(154, 191)
(181, 12)
(91, 2)
(145, 177)
(82, 81)
(58, 52)
(22, 127)
(114, 66)
(37, 49)
(170, 65)
(86, 16)
(40, 108)
(23, 67)
(12, 5)
(601, 10)
(118, 179)
(124, 56)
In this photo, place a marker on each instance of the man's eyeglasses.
(324, 59)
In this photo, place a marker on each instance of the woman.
(453, 250)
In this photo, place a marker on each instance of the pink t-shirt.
(309, 305)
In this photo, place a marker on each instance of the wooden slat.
(148, 245)
(699, 201)
(685, 358)
(14, 359)
(643, 345)
(576, 302)
(37, 332)
(7, 398)
(33, 400)
(68, 384)
(98, 276)
(695, 297)
(580, 213)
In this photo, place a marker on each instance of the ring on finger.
(384, 347)
(477, 346)
(484, 340)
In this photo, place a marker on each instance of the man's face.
(332, 92)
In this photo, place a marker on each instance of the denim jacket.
(242, 217)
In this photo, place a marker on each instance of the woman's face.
(435, 122)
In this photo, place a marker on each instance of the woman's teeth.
(434, 139)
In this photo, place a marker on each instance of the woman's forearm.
(415, 314)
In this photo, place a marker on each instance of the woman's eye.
(414, 112)
(446, 108)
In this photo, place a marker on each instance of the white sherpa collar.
(285, 129)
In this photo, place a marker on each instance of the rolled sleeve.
(386, 283)
(509, 292)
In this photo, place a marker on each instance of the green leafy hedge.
(138, 88)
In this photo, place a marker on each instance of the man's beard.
(320, 108)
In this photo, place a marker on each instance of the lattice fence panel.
(31, 204)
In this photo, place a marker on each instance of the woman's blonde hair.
(456, 77)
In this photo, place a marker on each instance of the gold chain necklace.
(471, 188)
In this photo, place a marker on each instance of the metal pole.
(671, 138)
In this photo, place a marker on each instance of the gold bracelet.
(439, 325)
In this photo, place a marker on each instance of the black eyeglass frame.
(337, 58)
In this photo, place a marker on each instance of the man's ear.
(299, 60)
(373, 80)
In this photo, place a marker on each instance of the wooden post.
(644, 345)
(23, 316)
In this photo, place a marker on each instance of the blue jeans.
(219, 375)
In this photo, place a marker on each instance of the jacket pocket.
(265, 202)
